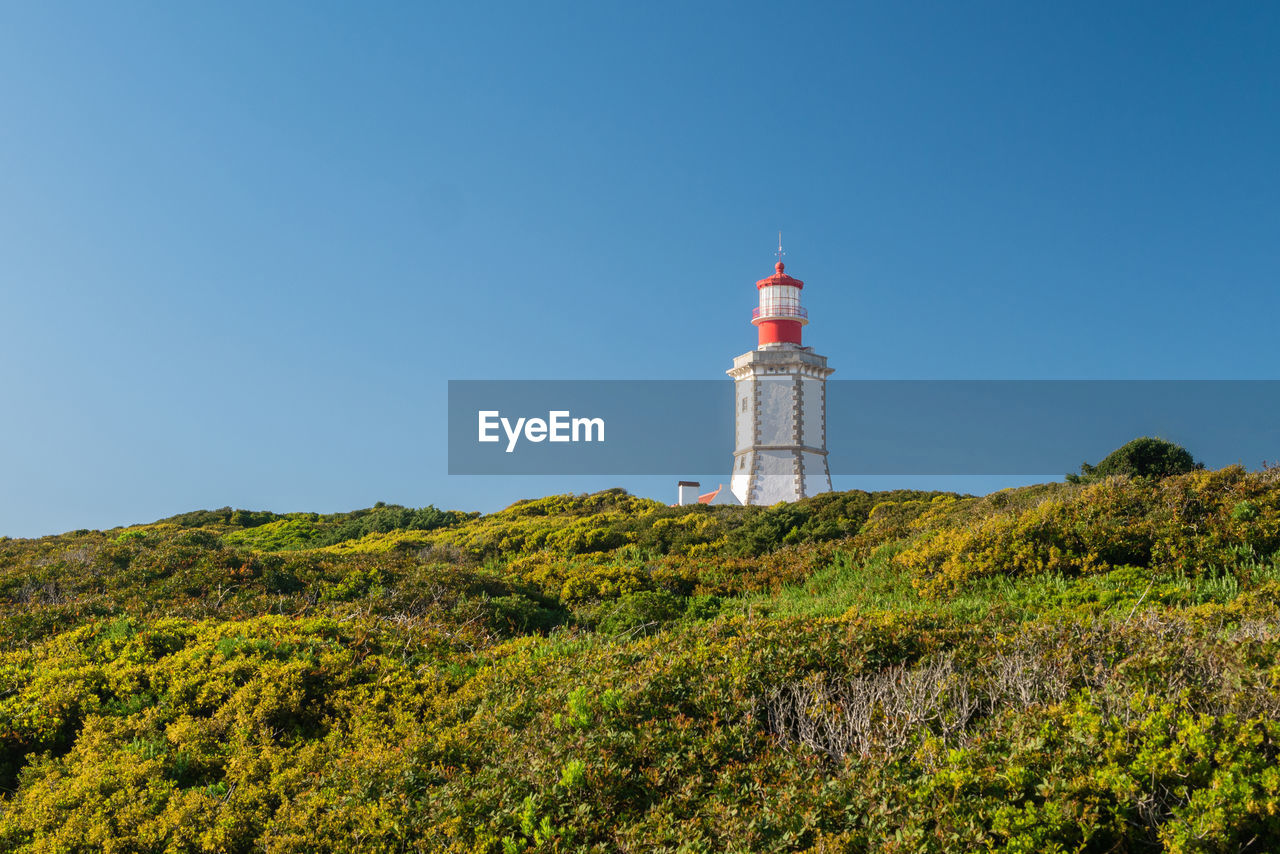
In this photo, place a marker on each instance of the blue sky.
(243, 246)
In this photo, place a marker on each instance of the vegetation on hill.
(1065, 667)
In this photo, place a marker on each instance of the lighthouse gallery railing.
(779, 311)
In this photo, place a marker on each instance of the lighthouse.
(780, 402)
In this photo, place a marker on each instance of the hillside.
(1063, 667)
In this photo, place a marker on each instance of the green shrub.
(518, 614)
(1143, 457)
(644, 612)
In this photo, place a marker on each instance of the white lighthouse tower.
(780, 400)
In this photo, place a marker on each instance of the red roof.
(780, 278)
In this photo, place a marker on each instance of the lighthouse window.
(744, 404)
(779, 300)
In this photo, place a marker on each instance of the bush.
(1143, 457)
(517, 614)
(645, 612)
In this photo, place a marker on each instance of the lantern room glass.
(780, 301)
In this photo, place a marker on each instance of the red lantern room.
(780, 315)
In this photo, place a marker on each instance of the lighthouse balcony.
(785, 312)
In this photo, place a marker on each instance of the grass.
(876, 584)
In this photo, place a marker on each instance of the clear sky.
(244, 245)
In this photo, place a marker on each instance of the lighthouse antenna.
(780, 252)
